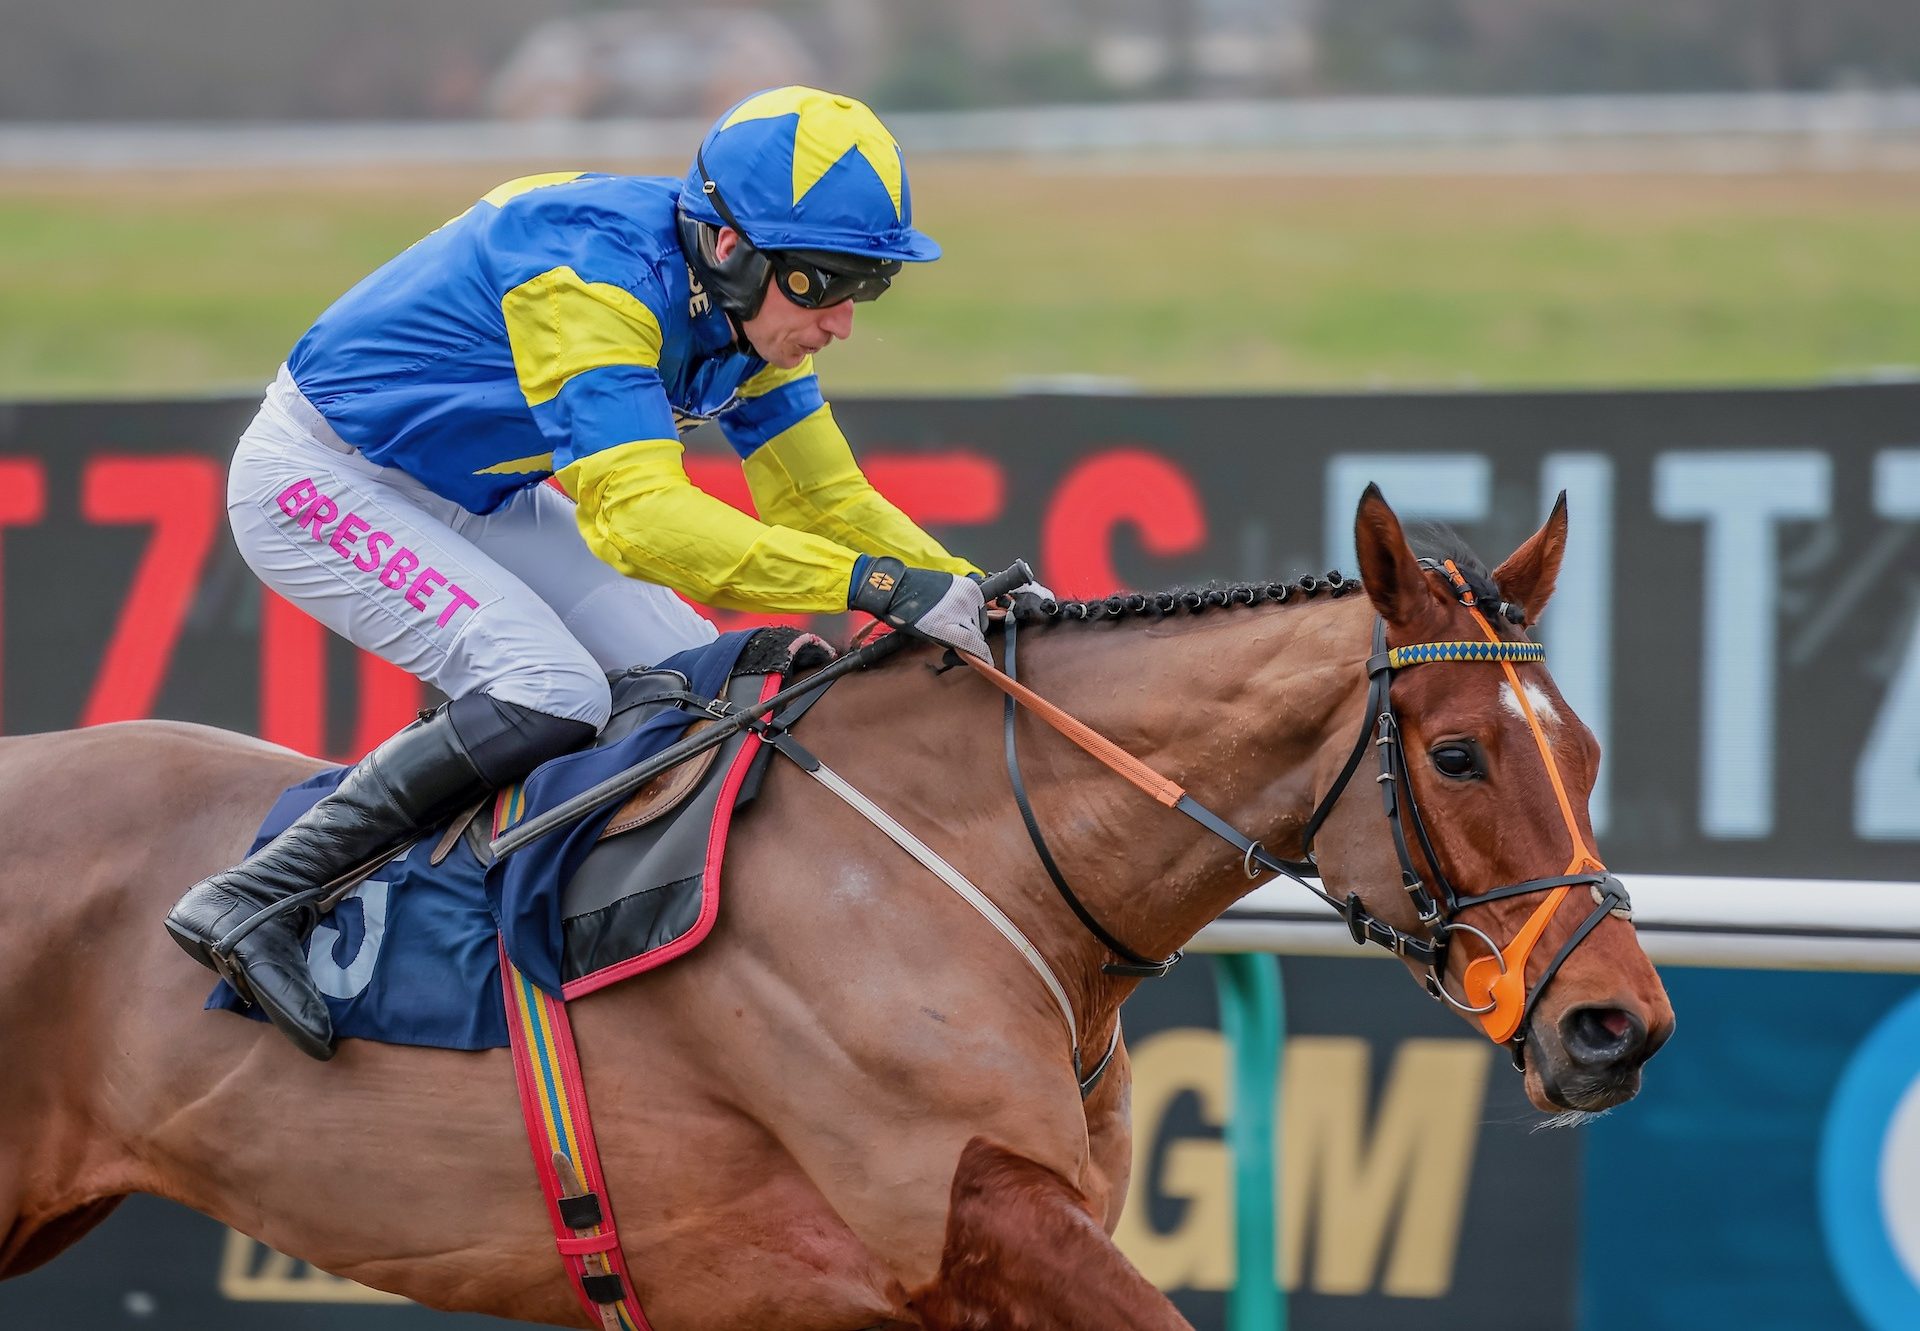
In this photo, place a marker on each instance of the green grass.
(1237, 280)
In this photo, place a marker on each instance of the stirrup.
(223, 948)
(236, 979)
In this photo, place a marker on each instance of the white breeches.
(509, 603)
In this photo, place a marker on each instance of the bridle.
(1496, 994)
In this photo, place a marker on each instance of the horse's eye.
(1455, 760)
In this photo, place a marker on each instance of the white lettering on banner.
(1578, 627)
(1886, 783)
(1741, 498)
(1363, 1175)
(1458, 487)
(1448, 487)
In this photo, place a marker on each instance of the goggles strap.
(712, 191)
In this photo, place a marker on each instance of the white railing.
(1757, 923)
(1370, 127)
(1765, 923)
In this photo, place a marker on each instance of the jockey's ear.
(1399, 589)
(1528, 576)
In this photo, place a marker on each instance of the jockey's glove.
(945, 607)
(1036, 593)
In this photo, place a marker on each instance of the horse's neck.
(1239, 706)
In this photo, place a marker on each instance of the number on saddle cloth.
(411, 956)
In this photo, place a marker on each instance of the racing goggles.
(815, 280)
(811, 279)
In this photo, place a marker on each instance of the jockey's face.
(783, 333)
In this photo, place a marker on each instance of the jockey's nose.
(838, 319)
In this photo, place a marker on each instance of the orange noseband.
(1487, 979)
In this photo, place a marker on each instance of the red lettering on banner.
(1121, 487)
(956, 489)
(293, 686)
(23, 496)
(180, 498)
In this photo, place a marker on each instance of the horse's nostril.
(1601, 1035)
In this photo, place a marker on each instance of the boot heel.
(193, 945)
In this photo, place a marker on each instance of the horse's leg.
(1024, 1249)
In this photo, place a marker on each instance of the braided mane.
(1190, 600)
(1429, 540)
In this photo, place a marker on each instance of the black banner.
(1736, 620)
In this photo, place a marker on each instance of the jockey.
(568, 326)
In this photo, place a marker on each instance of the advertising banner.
(1736, 619)
(1768, 1177)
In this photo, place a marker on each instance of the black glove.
(944, 607)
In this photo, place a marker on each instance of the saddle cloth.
(412, 954)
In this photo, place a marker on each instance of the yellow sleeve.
(640, 513)
(806, 477)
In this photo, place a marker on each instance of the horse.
(854, 1106)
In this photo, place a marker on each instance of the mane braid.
(1191, 600)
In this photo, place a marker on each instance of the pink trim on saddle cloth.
(709, 882)
(553, 1104)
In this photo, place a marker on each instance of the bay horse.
(852, 1107)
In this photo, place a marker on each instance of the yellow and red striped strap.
(553, 1103)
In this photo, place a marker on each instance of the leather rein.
(1495, 984)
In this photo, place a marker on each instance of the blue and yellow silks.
(555, 327)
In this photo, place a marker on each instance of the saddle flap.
(665, 793)
(649, 889)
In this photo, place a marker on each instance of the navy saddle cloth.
(412, 954)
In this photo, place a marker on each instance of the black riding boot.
(428, 772)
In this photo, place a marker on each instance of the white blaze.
(1543, 708)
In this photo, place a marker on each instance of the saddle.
(408, 953)
(658, 798)
(648, 889)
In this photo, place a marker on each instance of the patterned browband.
(1426, 653)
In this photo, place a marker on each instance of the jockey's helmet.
(817, 191)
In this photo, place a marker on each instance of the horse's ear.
(1528, 576)
(1395, 583)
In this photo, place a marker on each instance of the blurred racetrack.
(1158, 271)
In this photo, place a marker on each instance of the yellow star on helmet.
(829, 124)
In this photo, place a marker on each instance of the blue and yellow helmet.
(796, 168)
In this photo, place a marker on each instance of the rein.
(1495, 984)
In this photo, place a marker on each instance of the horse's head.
(1489, 772)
